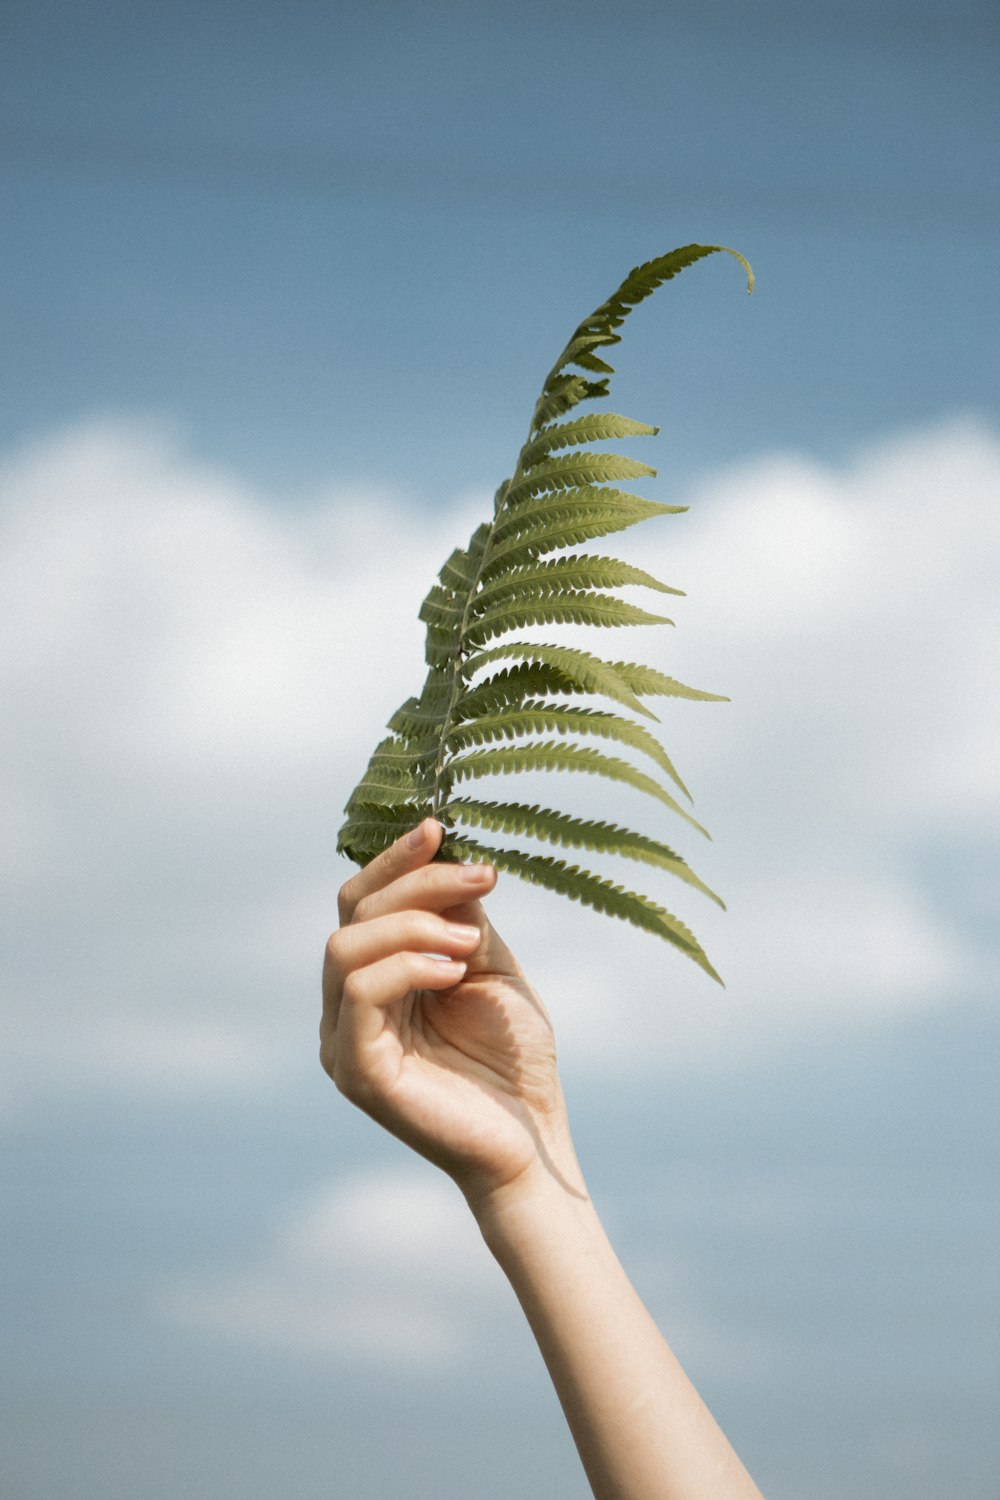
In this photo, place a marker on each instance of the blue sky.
(279, 287)
(311, 233)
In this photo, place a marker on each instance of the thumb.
(493, 955)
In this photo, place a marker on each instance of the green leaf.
(645, 279)
(591, 890)
(575, 608)
(398, 771)
(580, 351)
(572, 471)
(514, 685)
(546, 718)
(598, 427)
(459, 573)
(647, 682)
(371, 827)
(585, 671)
(417, 723)
(562, 394)
(543, 510)
(483, 710)
(568, 526)
(442, 608)
(550, 755)
(559, 573)
(579, 833)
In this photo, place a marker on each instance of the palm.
(473, 1067)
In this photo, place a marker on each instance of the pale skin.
(455, 1055)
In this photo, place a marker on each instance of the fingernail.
(451, 963)
(476, 874)
(416, 838)
(462, 932)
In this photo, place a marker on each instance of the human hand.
(453, 1055)
(457, 1058)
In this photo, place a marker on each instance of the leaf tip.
(748, 268)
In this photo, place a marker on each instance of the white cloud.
(387, 1269)
(850, 615)
(193, 678)
(862, 604)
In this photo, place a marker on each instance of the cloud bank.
(388, 1272)
(193, 677)
(388, 1269)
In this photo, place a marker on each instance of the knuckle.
(341, 1079)
(346, 901)
(414, 966)
(352, 992)
(361, 910)
(339, 1075)
(335, 948)
(350, 1082)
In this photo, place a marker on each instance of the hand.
(455, 1055)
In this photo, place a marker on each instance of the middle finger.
(363, 943)
(433, 888)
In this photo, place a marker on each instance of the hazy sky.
(333, 239)
(280, 284)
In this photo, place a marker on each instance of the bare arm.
(457, 1058)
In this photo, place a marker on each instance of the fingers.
(432, 888)
(363, 943)
(391, 926)
(369, 967)
(408, 853)
(365, 1055)
(403, 876)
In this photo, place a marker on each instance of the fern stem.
(457, 659)
(461, 652)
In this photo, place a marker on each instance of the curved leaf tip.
(748, 268)
(485, 708)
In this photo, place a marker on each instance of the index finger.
(410, 852)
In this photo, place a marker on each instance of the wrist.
(548, 1197)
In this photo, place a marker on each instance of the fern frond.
(588, 673)
(591, 890)
(542, 510)
(559, 573)
(442, 608)
(372, 827)
(581, 346)
(561, 394)
(551, 755)
(461, 570)
(596, 428)
(643, 281)
(572, 471)
(647, 682)
(573, 607)
(575, 833)
(548, 530)
(513, 685)
(546, 718)
(484, 709)
(390, 791)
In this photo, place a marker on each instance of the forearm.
(642, 1430)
